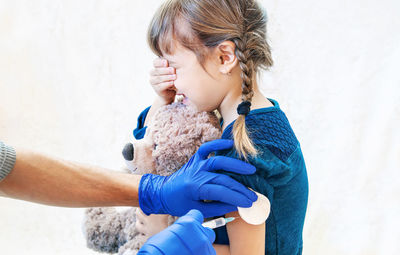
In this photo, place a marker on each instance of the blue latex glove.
(194, 182)
(185, 237)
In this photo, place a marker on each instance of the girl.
(211, 53)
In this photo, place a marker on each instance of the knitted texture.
(281, 176)
(271, 130)
(7, 160)
(275, 133)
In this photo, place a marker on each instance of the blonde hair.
(210, 23)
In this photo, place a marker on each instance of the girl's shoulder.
(269, 129)
(279, 156)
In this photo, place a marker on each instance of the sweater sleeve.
(140, 129)
(7, 160)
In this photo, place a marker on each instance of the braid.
(243, 52)
(210, 23)
(246, 65)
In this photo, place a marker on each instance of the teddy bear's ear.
(128, 152)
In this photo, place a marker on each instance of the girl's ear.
(227, 57)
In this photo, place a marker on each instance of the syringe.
(219, 222)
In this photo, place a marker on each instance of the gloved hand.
(185, 237)
(194, 182)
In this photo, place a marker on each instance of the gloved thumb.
(209, 233)
(215, 145)
(198, 216)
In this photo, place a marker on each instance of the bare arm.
(43, 179)
(221, 249)
(158, 103)
(243, 238)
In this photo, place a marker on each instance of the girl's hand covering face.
(162, 79)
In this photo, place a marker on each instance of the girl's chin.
(186, 101)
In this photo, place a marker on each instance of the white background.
(74, 77)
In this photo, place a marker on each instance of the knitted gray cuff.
(7, 160)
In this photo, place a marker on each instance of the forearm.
(42, 179)
(158, 102)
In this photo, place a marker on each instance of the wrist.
(157, 103)
(150, 194)
(160, 101)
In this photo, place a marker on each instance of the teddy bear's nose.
(128, 151)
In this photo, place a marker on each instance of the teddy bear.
(173, 135)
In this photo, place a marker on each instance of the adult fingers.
(215, 145)
(228, 182)
(196, 214)
(228, 164)
(223, 194)
(212, 209)
(209, 233)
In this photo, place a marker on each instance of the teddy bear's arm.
(103, 229)
(133, 246)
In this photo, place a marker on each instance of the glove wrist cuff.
(149, 194)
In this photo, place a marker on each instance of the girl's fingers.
(154, 80)
(162, 71)
(164, 86)
(160, 62)
(140, 228)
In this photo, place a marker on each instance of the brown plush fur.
(173, 136)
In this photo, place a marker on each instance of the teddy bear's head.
(174, 134)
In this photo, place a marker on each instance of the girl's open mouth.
(182, 98)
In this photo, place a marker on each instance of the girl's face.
(204, 89)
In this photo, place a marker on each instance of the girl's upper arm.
(245, 238)
(144, 119)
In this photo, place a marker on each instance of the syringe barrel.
(216, 223)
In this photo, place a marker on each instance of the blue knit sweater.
(281, 176)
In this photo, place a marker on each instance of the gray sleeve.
(7, 160)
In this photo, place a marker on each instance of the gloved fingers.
(209, 233)
(223, 194)
(215, 145)
(231, 184)
(228, 164)
(212, 209)
(191, 225)
(195, 214)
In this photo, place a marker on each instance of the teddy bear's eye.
(155, 146)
